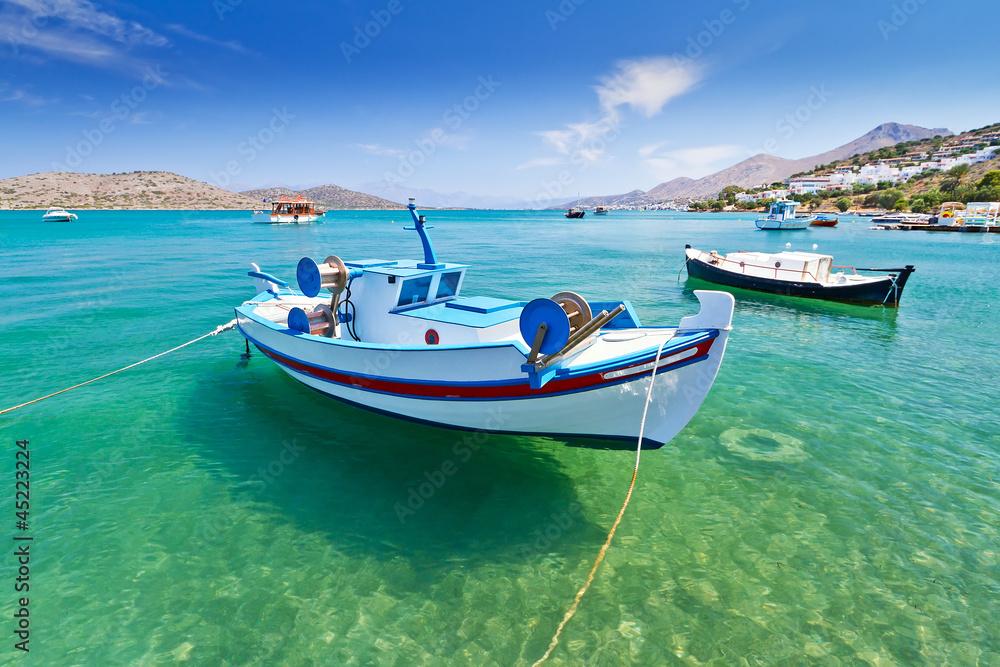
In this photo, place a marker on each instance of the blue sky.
(517, 99)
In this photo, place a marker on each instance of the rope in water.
(218, 330)
(614, 527)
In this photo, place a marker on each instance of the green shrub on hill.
(990, 179)
(889, 198)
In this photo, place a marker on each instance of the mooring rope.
(614, 527)
(218, 330)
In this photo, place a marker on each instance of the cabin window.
(414, 290)
(448, 286)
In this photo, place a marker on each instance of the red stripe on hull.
(520, 390)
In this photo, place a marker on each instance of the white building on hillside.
(808, 185)
(757, 196)
(874, 173)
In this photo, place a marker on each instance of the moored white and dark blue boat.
(798, 274)
(781, 216)
(399, 337)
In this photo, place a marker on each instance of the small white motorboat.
(901, 218)
(57, 214)
(782, 216)
(398, 337)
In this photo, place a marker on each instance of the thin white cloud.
(379, 149)
(459, 142)
(644, 85)
(233, 45)
(691, 162)
(140, 118)
(74, 30)
(22, 96)
(646, 151)
(541, 162)
(84, 15)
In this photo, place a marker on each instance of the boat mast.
(430, 260)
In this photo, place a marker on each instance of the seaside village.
(892, 170)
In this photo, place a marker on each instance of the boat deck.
(479, 311)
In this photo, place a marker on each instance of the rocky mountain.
(765, 169)
(138, 190)
(327, 197)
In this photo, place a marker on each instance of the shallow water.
(835, 501)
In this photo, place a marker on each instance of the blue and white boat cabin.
(399, 337)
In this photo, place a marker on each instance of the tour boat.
(601, 210)
(902, 219)
(398, 337)
(56, 214)
(289, 209)
(575, 213)
(782, 216)
(825, 220)
(803, 274)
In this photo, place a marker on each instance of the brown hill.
(766, 169)
(138, 190)
(328, 197)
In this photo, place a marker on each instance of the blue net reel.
(553, 316)
(332, 274)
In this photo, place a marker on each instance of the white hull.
(784, 224)
(268, 218)
(59, 216)
(483, 388)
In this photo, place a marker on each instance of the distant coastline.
(159, 191)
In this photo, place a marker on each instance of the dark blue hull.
(885, 291)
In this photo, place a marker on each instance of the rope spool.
(332, 275)
(320, 322)
(576, 308)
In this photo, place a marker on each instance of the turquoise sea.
(836, 501)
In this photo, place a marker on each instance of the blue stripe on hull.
(711, 335)
(647, 443)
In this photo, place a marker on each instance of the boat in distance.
(285, 209)
(57, 214)
(802, 274)
(601, 210)
(398, 337)
(901, 218)
(575, 213)
(825, 220)
(781, 216)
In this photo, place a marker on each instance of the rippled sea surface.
(836, 501)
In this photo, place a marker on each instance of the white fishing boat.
(289, 210)
(399, 337)
(782, 216)
(57, 214)
(803, 274)
(601, 210)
